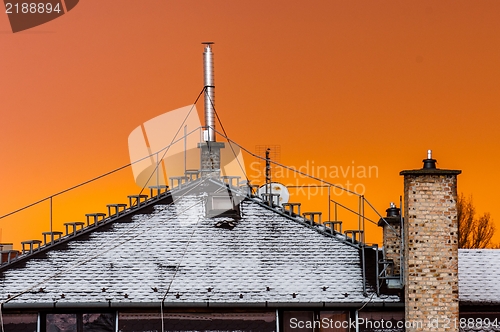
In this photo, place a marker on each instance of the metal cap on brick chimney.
(392, 244)
(430, 168)
(208, 74)
(210, 158)
(393, 216)
(393, 211)
(429, 163)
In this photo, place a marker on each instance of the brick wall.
(210, 159)
(392, 243)
(431, 249)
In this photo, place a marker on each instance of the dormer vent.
(221, 205)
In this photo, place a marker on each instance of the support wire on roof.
(99, 253)
(226, 137)
(108, 173)
(175, 273)
(172, 142)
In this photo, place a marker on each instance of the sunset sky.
(333, 83)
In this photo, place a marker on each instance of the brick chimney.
(431, 247)
(391, 225)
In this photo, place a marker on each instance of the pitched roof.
(478, 276)
(266, 259)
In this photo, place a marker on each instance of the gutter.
(122, 305)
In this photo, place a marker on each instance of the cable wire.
(101, 252)
(369, 300)
(289, 168)
(88, 181)
(1, 317)
(168, 148)
(225, 135)
(175, 274)
(114, 170)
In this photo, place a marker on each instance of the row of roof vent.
(73, 228)
(293, 209)
(8, 255)
(96, 219)
(332, 227)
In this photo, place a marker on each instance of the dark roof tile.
(177, 247)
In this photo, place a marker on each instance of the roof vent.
(393, 211)
(222, 205)
(275, 193)
(429, 163)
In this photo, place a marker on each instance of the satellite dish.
(276, 188)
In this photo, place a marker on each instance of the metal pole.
(51, 214)
(185, 149)
(157, 172)
(377, 269)
(329, 204)
(364, 268)
(336, 217)
(356, 315)
(362, 240)
(359, 213)
(268, 176)
(277, 321)
(363, 216)
(402, 249)
(208, 71)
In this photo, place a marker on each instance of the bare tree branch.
(473, 232)
(465, 216)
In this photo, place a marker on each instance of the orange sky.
(376, 83)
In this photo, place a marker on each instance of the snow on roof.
(478, 276)
(266, 259)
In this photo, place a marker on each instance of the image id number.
(31, 8)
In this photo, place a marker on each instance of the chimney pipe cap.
(429, 163)
(393, 211)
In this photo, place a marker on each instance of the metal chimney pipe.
(429, 163)
(208, 73)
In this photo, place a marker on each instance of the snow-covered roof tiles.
(479, 276)
(267, 259)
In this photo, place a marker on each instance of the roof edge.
(149, 305)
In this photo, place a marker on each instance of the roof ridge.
(302, 221)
